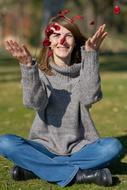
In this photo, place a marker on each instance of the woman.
(63, 146)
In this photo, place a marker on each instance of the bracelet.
(34, 61)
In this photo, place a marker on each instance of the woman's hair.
(76, 53)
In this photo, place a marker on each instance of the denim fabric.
(55, 168)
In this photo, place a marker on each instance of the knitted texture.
(63, 123)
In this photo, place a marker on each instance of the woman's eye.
(56, 35)
(69, 35)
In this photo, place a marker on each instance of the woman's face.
(62, 42)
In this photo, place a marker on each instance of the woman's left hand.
(94, 42)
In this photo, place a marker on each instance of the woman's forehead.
(61, 30)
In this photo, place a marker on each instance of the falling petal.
(77, 17)
(92, 22)
(116, 10)
(64, 12)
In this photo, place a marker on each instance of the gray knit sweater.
(62, 122)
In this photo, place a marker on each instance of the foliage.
(101, 12)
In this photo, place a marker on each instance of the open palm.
(94, 42)
(20, 52)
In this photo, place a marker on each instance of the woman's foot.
(101, 177)
(19, 173)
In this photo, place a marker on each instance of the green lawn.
(109, 115)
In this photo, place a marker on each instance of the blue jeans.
(35, 157)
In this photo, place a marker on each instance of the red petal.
(116, 9)
(76, 17)
(62, 41)
(46, 43)
(56, 27)
(64, 12)
(92, 22)
(50, 53)
(50, 32)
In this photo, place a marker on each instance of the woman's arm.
(35, 94)
(90, 86)
(34, 90)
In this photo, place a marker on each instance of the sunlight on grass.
(109, 115)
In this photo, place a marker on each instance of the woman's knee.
(111, 147)
(8, 142)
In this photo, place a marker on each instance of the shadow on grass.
(118, 167)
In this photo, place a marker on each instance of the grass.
(109, 116)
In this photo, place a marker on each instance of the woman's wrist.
(32, 62)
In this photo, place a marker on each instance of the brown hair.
(76, 53)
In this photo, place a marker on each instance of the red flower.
(46, 42)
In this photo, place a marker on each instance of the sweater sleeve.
(34, 90)
(90, 87)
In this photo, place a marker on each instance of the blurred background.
(25, 20)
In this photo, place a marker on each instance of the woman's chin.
(63, 55)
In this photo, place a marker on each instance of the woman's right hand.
(20, 52)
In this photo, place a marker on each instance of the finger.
(94, 37)
(101, 39)
(103, 27)
(14, 48)
(89, 45)
(99, 35)
(17, 47)
(99, 32)
(8, 46)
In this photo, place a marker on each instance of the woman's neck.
(62, 62)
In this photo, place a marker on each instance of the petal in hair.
(55, 26)
(49, 32)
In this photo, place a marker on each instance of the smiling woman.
(65, 33)
(62, 45)
(63, 145)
